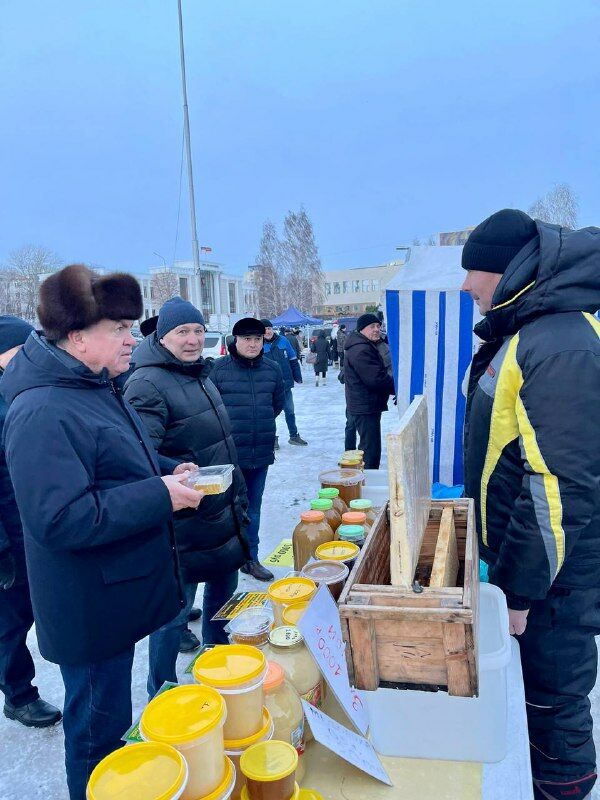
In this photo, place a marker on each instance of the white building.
(351, 292)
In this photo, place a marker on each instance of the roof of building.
(430, 267)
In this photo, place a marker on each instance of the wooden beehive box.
(402, 632)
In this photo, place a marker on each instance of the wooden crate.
(398, 633)
(397, 636)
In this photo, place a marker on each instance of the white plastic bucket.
(416, 724)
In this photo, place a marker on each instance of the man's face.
(269, 334)
(8, 355)
(106, 345)
(185, 342)
(481, 286)
(249, 346)
(372, 331)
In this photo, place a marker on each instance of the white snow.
(31, 761)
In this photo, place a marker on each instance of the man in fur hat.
(96, 512)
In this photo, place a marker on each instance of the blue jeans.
(290, 414)
(255, 484)
(97, 713)
(164, 643)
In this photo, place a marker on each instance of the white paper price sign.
(348, 745)
(320, 626)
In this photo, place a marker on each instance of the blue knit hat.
(177, 311)
(13, 331)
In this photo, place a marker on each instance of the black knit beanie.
(497, 240)
(366, 319)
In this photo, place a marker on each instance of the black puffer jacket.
(187, 421)
(366, 379)
(253, 393)
(11, 530)
(532, 430)
(323, 350)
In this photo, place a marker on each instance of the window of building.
(375, 285)
(366, 286)
(327, 288)
(145, 294)
(232, 306)
(356, 286)
(346, 287)
(336, 288)
(152, 292)
(183, 288)
(146, 312)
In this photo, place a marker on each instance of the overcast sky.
(386, 119)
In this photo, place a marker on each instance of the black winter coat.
(366, 379)
(532, 430)
(187, 421)
(11, 530)
(323, 350)
(96, 515)
(253, 394)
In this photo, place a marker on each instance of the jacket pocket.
(127, 566)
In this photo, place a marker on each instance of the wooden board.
(410, 491)
(445, 563)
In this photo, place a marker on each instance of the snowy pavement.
(31, 761)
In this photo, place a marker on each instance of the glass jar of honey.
(329, 493)
(311, 531)
(348, 481)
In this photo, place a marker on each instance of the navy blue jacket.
(11, 530)
(282, 352)
(96, 515)
(253, 394)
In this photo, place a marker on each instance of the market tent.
(292, 316)
(430, 328)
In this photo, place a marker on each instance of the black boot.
(194, 614)
(297, 439)
(276, 443)
(257, 571)
(188, 642)
(38, 714)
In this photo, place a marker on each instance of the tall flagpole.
(188, 147)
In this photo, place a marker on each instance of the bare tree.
(267, 276)
(25, 267)
(559, 206)
(304, 280)
(163, 286)
(416, 241)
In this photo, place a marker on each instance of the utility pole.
(188, 147)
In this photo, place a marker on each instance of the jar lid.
(336, 551)
(225, 788)
(182, 714)
(286, 590)
(361, 505)
(342, 477)
(269, 761)
(351, 532)
(228, 665)
(353, 453)
(243, 744)
(149, 770)
(329, 492)
(326, 571)
(321, 504)
(312, 516)
(354, 461)
(292, 613)
(285, 636)
(274, 676)
(354, 518)
(251, 621)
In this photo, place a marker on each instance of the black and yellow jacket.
(532, 428)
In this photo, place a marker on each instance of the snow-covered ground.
(31, 761)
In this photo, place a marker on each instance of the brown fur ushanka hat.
(76, 297)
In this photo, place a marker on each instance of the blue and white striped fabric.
(432, 343)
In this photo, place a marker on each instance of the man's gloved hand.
(8, 572)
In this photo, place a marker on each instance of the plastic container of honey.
(286, 647)
(332, 516)
(293, 612)
(329, 493)
(211, 480)
(366, 507)
(190, 718)
(283, 701)
(309, 533)
(353, 459)
(332, 573)
(352, 533)
(237, 672)
(235, 749)
(289, 590)
(270, 771)
(227, 786)
(147, 771)
(251, 626)
(347, 481)
(346, 552)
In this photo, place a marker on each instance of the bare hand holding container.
(211, 480)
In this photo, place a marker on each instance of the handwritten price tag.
(322, 632)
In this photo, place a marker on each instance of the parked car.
(316, 331)
(215, 344)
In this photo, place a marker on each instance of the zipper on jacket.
(254, 420)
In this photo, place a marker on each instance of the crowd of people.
(103, 542)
